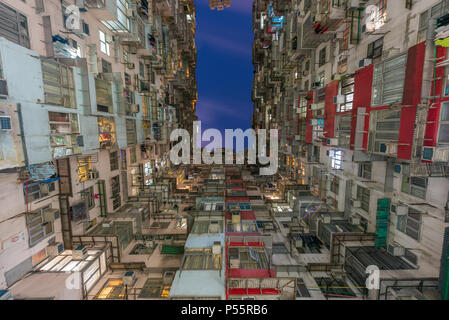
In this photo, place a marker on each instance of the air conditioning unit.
(316, 85)
(5, 123)
(107, 224)
(43, 188)
(298, 138)
(402, 210)
(55, 249)
(214, 227)
(354, 220)
(93, 175)
(80, 141)
(396, 250)
(326, 218)
(129, 278)
(441, 155)
(314, 106)
(365, 62)
(235, 217)
(332, 142)
(50, 214)
(79, 253)
(216, 247)
(353, 4)
(109, 38)
(6, 295)
(3, 88)
(339, 99)
(134, 108)
(66, 101)
(234, 263)
(356, 204)
(168, 277)
(339, 35)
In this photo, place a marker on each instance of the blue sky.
(224, 69)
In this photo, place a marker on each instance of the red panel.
(244, 215)
(253, 292)
(433, 116)
(251, 273)
(330, 109)
(363, 83)
(412, 97)
(309, 128)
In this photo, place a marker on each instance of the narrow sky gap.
(224, 73)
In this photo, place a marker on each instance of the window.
(59, 87)
(346, 90)
(436, 12)
(5, 123)
(415, 186)
(382, 10)
(334, 184)
(344, 127)
(375, 50)
(302, 107)
(410, 224)
(64, 134)
(147, 168)
(84, 167)
(388, 82)
(322, 57)
(104, 46)
(365, 170)
(384, 130)
(126, 58)
(443, 132)
(122, 24)
(106, 66)
(363, 195)
(141, 69)
(103, 91)
(131, 135)
(14, 26)
(336, 159)
(115, 187)
(411, 257)
(88, 195)
(107, 136)
(113, 160)
(35, 191)
(133, 155)
(39, 225)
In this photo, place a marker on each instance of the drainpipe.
(22, 134)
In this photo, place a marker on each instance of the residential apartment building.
(90, 92)
(357, 90)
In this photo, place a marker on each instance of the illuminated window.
(104, 46)
(443, 134)
(336, 159)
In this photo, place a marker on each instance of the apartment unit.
(219, 4)
(89, 94)
(357, 90)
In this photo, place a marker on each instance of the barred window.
(113, 160)
(59, 86)
(365, 170)
(410, 224)
(363, 195)
(14, 26)
(38, 226)
(388, 81)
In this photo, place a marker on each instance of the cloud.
(210, 109)
(226, 44)
(238, 6)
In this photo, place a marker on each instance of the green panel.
(171, 249)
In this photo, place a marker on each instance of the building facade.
(357, 90)
(90, 92)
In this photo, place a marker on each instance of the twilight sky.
(224, 69)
